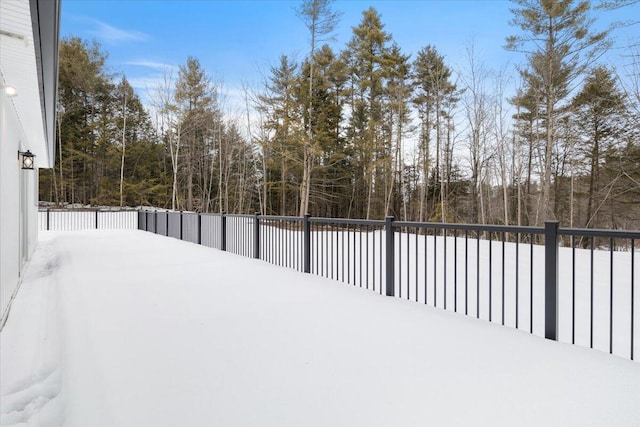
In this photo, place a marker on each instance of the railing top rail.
(562, 231)
(93, 210)
(471, 227)
(345, 221)
(239, 216)
(281, 218)
(589, 232)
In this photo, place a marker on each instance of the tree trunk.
(124, 144)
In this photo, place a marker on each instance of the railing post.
(199, 228)
(223, 231)
(180, 225)
(307, 243)
(48, 212)
(96, 219)
(256, 235)
(551, 280)
(390, 256)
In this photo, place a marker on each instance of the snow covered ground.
(127, 328)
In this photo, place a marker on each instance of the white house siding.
(16, 221)
(29, 64)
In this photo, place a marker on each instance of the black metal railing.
(86, 219)
(571, 285)
(481, 271)
(351, 251)
(280, 240)
(599, 281)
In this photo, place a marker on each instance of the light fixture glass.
(27, 159)
(10, 91)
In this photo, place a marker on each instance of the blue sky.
(237, 41)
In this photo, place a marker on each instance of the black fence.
(86, 219)
(572, 285)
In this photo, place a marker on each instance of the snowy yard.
(127, 328)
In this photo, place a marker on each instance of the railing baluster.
(360, 254)
(380, 264)
(371, 255)
(503, 269)
(416, 261)
(531, 283)
(426, 267)
(573, 289)
(435, 267)
(611, 295)
(632, 292)
(325, 251)
(281, 258)
(478, 274)
(333, 250)
(342, 232)
(490, 279)
(399, 264)
(408, 256)
(466, 272)
(444, 269)
(314, 247)
(517, 276)
(455, 270)
(591, 297)
(323, 260)
(354, 255)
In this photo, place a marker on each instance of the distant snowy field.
(127, 328)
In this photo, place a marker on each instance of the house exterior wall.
(28, 65)
(18, 206)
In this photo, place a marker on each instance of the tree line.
(369, 130)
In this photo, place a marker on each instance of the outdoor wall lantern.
(27, 159)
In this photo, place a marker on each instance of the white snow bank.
(127, 328)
